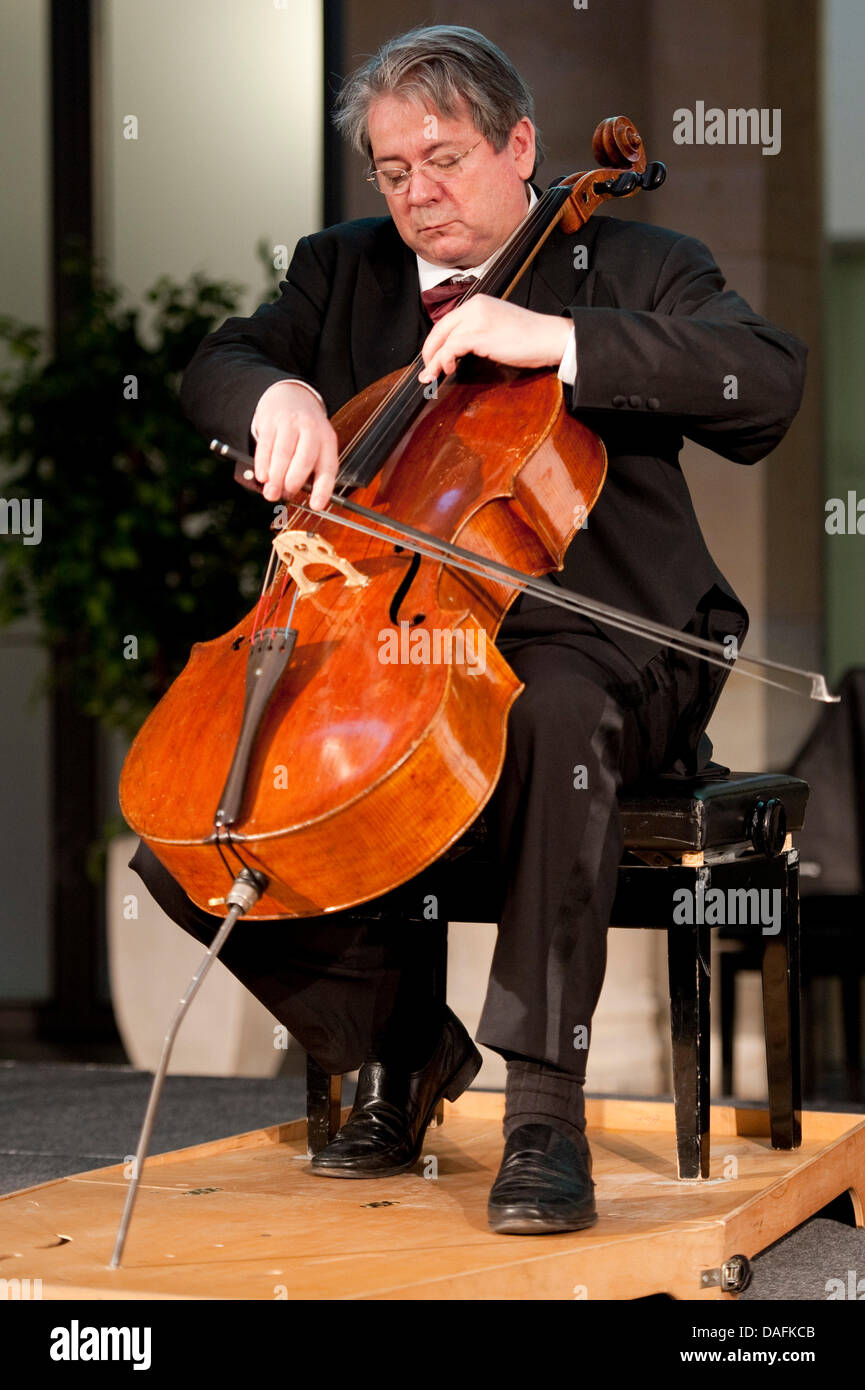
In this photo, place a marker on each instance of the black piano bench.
(698, 853)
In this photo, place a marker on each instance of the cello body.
(385, 735)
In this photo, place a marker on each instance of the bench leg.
(688, 950)
(781, 987)
(323, 1105)
(851, 1009)
(727, 1011)
(440, 987)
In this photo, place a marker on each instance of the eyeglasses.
(439, 168)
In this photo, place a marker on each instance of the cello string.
(287, 627)
(262, 596)
(271, 576)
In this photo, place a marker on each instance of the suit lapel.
(387, 322)
(552, 281)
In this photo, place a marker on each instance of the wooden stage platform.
(242, 1218)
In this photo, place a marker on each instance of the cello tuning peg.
(654, 175)
(621, 186)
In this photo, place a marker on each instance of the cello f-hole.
(404, 586)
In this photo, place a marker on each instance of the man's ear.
(522, 143)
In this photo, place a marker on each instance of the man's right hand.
(296, 441)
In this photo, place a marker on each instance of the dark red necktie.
(442, 298)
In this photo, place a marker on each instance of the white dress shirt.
(428, 276)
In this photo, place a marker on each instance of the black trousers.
(588, 721)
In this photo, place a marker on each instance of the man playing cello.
(642, 334)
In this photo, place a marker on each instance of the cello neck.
(523, 244)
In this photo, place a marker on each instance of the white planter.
(627, 1047)
(227, 1032)
(470, 955)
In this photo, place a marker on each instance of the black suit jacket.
(658, 341)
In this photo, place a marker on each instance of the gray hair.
(439, 64)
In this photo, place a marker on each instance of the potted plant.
(145, 544)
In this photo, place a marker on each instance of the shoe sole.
(452, 1090)
(517, 1225)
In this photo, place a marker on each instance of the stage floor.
(243, 1218)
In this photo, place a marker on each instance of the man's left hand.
(496, 329)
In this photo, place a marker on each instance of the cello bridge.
(298, 549)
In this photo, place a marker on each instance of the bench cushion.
(690, 813)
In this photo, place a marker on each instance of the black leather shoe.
(544, 1185)
(392, 1109)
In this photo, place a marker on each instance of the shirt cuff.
(294, 382)
(568, 365)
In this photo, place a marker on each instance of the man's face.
(461, 222)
